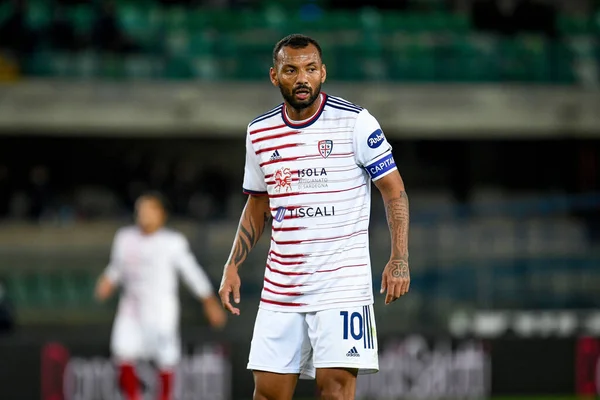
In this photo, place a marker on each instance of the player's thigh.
(273, 386)
(337, 383)
(280, 344)
(166, 349)
(344, 338)
(127, 340)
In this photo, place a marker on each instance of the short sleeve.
(254, 179)
(192, 273)
(373, 151)
(114, 270)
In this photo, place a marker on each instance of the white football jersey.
(147, 268)
(317, 174)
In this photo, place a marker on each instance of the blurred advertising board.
(587, 367)
(88, 373)
(411, 366)
(418, 367)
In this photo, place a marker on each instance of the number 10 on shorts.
(358, 326)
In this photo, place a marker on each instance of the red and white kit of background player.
(309, 167)
(146, 260)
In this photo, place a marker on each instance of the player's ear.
(323, 73)
(273, 76)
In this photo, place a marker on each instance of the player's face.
(150, 214)
(299, 74)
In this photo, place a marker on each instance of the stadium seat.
(368, 44)
(575, 25)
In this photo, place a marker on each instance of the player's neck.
(150, 231)
(305, 113)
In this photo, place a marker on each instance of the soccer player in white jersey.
(146, 260)
(309, 166)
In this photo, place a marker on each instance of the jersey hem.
(313, 308)
(254, 192)
(362, 368)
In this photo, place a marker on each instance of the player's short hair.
(295, 41)
(156, 196)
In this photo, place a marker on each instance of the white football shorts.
(132, 341)
(299, 343)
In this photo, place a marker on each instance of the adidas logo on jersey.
(275, 156)
(353, 353)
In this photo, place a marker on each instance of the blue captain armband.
(381, 166)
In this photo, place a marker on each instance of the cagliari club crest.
(325, 147)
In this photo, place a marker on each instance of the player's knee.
(331, 392)
(265, 394)
(336, 384)
(271, 386)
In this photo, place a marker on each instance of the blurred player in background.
(309, 167)
(146, 260)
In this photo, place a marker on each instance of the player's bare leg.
(272, 386)
(337, 383)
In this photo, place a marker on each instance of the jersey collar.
(308, 122)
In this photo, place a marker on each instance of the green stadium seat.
(344, 20)
(178, 67)
(199, 43)
(68, 286)
(5, 11)
(17, 289)
(39, 15)
(41, 290)
(575, 25)
(82, 16)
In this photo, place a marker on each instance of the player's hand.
(214, 313)
(230, 284)
(395, 279)
(104, 289)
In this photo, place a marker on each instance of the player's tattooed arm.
(398, 217)
(396, 275)
(254, 219)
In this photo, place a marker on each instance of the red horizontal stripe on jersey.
(333, 238)
(288, 229)
(282, 285)
(273, 148)
(323, 192)
(269, 128)
(281, 303)
(262, 164)
(336, 155)
(345, 266)
(287, 255)
(278, 271)
(309, 157)
(283, 293)
(276, 136)
(280, 262)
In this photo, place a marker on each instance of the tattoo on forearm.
(398, 222)
(244, 243)
(248, 235)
